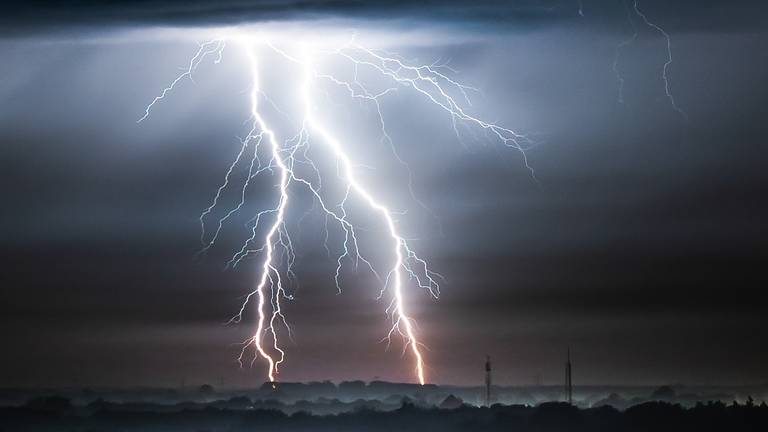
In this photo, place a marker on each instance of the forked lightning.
(287, 151)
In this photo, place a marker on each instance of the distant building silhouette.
(568, 381)
(487, 380)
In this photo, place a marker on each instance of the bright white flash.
(288, 150)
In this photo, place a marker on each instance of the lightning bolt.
(289, 163)
(665, 70)
(668, 39)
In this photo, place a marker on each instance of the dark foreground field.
(55, 414)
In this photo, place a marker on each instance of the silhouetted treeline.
(329, 398)
(57, 414)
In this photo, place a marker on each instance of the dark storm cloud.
(641, 246)
(61, 14)
(45, 16)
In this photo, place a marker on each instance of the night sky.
(640, 244)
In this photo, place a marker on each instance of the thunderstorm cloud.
(639, 244)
